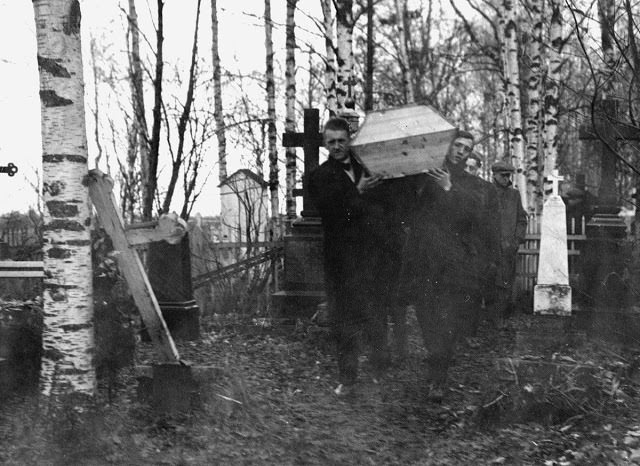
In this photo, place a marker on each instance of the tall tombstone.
(169, 272)
(552, 293)
(603, 259)
(303, 284)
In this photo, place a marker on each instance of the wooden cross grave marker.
(167, 228)
(310, 140)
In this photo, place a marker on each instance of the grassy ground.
(273, 403)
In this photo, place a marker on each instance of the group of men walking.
(444, 241)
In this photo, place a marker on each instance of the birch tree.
(290, 117)
(344, 35)
(552, 92)
(217, 92)
(512, 80)
(68, 340)
(330, 59)
(272, 136)
(533, 107)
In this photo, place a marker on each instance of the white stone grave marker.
(552, 294)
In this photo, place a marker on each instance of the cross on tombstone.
(310, 140)
(608, 128)
(555, 179)
(10, 169)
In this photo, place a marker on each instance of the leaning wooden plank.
(21, 274)
(101, 192)
(21, 265)
(169, 228)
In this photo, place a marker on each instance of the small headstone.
(170, 277)
(552, 294)
(403, 141)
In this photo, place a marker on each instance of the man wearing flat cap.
(513, 227)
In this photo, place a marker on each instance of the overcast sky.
(242, 48)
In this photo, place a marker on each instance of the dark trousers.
(354, 317)
(444, 318)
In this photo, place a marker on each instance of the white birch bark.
(217, 96)
(513, 92)
(403, 55)
(330, 67)
(272, 135)
(552, 92)
(290, 117)
(344, 33)
(68, 340)
(533, 116)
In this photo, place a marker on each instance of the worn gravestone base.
(172, 388)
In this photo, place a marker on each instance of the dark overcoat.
(454, 239)
(513, 228)
(352, 225)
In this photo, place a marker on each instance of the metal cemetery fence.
(527, 261)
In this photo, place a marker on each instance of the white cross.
(555, 178)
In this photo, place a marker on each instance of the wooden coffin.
(403, 141)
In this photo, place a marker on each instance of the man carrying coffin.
(353, 227)
(450, 250)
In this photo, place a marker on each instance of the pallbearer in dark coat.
(353, 226)
(449, 257)
(513, 228)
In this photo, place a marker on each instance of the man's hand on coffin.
(441, 177)
(368, 182)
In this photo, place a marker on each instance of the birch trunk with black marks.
(534, 113)
(344, 34)
(552, 92)
(290, 116)
(512, 76)
(330, 51)
(68, 340)
(217, 96)
(403, 55)
(272, 135)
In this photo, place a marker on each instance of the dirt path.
(275, 405)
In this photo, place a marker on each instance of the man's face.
(471, 166)
(337, 142)
(502, 179)
(459, 150)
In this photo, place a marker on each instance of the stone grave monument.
(604, 254)
(169, 272)
(552, 293)
(303, 284)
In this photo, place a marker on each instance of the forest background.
(521, 76)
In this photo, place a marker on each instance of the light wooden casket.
(403, 141)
